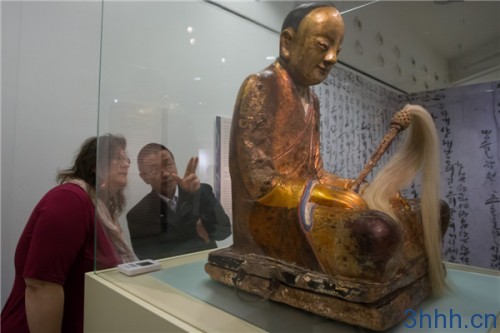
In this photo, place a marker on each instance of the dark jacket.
(156, 231)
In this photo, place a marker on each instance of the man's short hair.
(151, 148)
(293, 19)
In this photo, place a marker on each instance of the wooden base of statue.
(376, 306)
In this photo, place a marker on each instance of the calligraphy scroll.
(355, 114)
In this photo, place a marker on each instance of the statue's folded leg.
(408, 214)
(355, 244)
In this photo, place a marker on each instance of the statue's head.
(310, 41)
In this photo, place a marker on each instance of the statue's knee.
(445, 217)
(378, 236)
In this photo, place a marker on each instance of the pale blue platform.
(473, 295)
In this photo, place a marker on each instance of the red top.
(57, 245)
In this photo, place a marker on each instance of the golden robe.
(285, 205)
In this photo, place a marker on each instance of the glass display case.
(170, 73)
(170, 79)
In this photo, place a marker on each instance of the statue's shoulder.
(263, 77)
(267, 74)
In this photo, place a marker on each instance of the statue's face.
(311, 52)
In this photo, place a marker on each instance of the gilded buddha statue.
(295, 223)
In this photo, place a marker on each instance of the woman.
(56, 247)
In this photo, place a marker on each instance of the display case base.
(345, 300)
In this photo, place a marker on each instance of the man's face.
(156, 169)
(313, 49)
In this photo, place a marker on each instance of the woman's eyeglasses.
(121, 160)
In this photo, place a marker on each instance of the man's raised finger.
(192, 165)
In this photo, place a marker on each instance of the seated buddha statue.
(286, 206)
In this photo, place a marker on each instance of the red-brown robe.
(274, 153)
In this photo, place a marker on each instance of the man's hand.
(202, 232)
(190, 183)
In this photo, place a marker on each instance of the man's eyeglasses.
(156, 171)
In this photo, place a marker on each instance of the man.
(285, 205)
(179, 215)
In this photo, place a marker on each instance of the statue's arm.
(251, 135)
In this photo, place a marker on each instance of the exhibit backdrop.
(468, 119)
(356, 113)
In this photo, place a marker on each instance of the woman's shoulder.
(69, 187)
(68, 193)
(67, 202)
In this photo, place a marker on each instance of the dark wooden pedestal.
(376, 306)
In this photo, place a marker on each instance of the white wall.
(50, 58)
(378, 39)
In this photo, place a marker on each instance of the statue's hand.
(335, 196)
(332, 180)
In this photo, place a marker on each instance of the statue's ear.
(286, 38)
